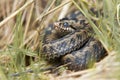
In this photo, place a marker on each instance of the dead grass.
(21, 30)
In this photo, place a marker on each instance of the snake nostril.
(56, 24)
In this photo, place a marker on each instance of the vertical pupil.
(66, 24)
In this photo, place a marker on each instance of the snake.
(71, 39)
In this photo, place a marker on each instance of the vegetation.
(21, 32)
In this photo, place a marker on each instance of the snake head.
(66, 24)
(69, 25)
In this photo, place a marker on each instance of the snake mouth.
(63, 27)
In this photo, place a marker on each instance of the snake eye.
(65, 24)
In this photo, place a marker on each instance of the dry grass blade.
(28, 21)
(64, 9)
(118, 14)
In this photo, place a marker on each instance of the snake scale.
(71, 40)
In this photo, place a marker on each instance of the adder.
(71, 40)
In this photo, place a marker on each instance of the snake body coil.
(74, 43)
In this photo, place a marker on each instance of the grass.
(21, 31)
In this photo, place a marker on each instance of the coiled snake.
(71, 39)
